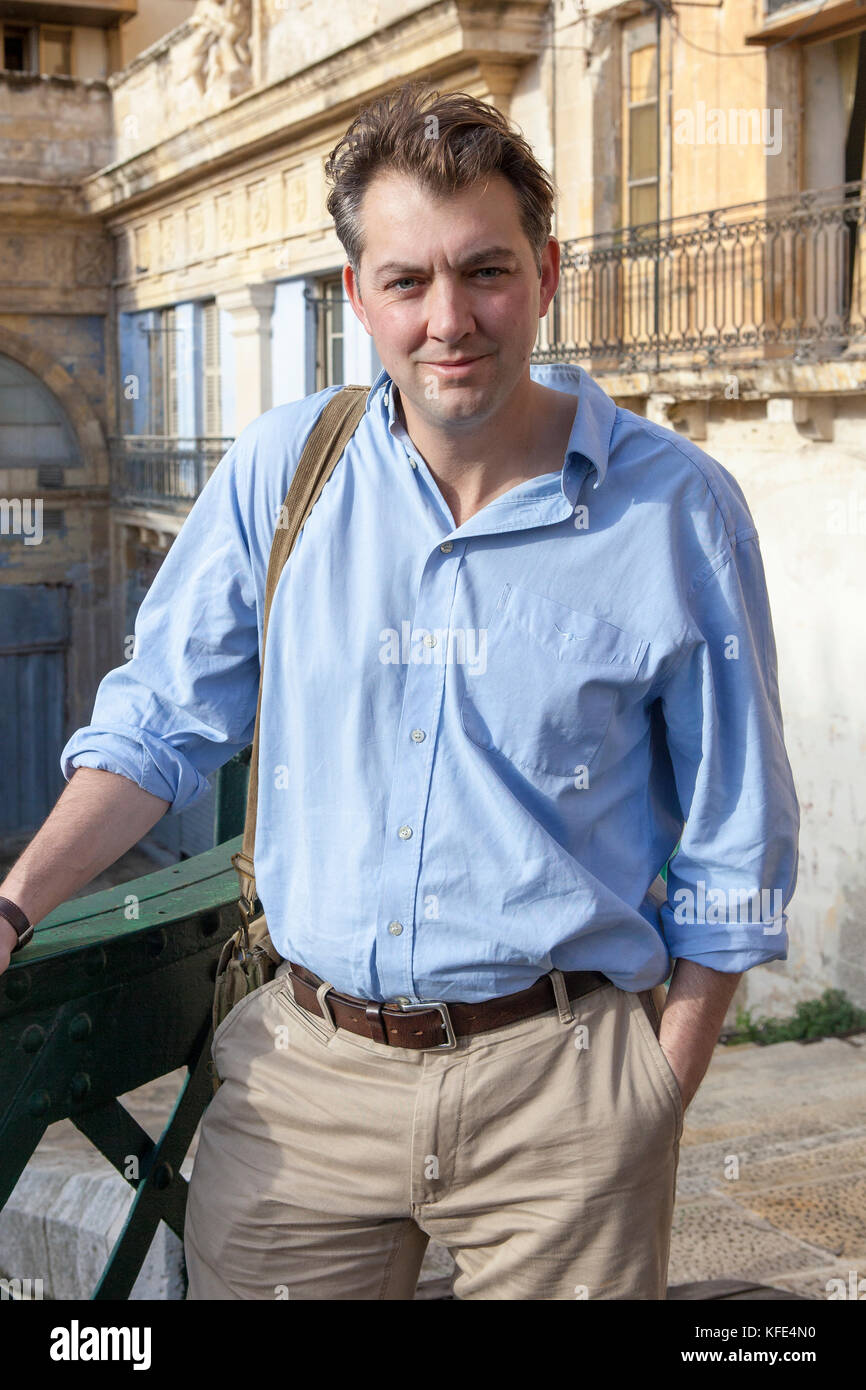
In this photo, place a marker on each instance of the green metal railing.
(115, 990)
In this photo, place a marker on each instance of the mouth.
(455, 368)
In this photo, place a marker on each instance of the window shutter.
(212, 421)
(170, 358)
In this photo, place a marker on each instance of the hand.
(686, 1084)
(692, 1017)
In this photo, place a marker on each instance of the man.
(521, 649)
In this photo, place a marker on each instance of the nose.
(449, 315)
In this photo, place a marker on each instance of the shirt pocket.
(546, 693)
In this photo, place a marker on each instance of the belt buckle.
(451, 1040)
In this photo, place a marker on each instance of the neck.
(472, 466)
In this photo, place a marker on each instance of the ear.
(550, 257)
(353, 294)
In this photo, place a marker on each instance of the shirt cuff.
(153, 765)
(736, 958)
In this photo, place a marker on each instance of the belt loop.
(373, 1012)
(325, 988)
(560, 994)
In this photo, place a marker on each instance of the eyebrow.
(475, 258)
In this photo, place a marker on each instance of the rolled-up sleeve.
(186, 700)
(736, 866)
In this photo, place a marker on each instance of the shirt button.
(395, 928)
(402, 999)
(418, 735)
(446, 547)
(430, 639)
(405, 832)
(385, 398)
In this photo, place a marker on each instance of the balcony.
(739, 286)
(100, 13)
(163, 470)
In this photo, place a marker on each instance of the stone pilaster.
(251, 308)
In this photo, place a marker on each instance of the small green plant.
(831, 1015)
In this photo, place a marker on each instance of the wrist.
(8, 935)
(16, 923)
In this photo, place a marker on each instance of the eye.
(410, 279)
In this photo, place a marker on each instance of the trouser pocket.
(648, 1017)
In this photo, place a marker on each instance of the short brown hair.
(472, 139)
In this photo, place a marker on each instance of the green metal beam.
(162, 1191)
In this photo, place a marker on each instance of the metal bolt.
(32, 1038)
(79, 1085)
(80, 1028)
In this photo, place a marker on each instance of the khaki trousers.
(543, 1154)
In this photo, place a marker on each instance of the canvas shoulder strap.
(323, 450)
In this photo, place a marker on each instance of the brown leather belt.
(434, 1024)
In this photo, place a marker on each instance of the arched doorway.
(34, 430)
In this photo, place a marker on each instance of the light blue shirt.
(480, 744)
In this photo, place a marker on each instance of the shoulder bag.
(249, 958)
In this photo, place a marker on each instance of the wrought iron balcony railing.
(740, 285)
(162, 468)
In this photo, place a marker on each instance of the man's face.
(442, 279)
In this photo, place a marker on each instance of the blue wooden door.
(34, 636)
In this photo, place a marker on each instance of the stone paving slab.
(722, 1166)
(794, 1213)
(830, 1213)
(714, 1237)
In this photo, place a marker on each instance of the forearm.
(98, 817)
(697, 1002)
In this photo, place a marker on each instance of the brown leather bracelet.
(18, 921)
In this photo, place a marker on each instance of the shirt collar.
(593, 423)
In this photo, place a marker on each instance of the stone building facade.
(168, 271)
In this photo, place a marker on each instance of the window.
(56, 52)
(164, 415)
(834, 132)
(640, 124)
(329, 333)
(19, 48)
(834, 153)
(211, 390)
